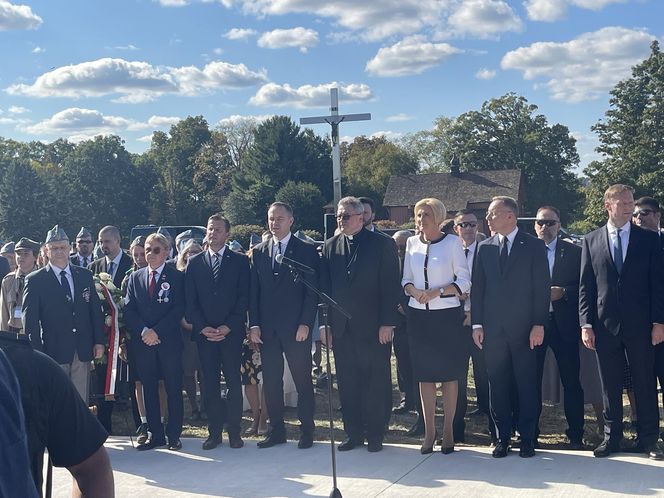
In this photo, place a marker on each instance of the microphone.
(293, 265)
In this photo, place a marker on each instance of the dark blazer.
(56, 326)
(164, 317)
(4, 267)
(210, 304)
(99, 266)
(517, 298)
(630, 302)
(75, 260)
(277, 304)
(566, 272)
(369, 290)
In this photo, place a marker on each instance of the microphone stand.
(326, 302)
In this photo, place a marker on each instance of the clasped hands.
(301, 334)
(423, 296)
(217, 334)
(385, 335)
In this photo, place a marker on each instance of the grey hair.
(352, 203)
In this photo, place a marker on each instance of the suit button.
(73, 330)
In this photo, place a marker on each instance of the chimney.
(454, 166)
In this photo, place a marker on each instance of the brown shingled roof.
(456, 192)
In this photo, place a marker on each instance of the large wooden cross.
(334, 119)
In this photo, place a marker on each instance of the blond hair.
(160, 239)
(437, 208)
(615, 190)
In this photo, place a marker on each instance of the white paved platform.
(399, 470)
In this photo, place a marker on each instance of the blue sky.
(78, 68)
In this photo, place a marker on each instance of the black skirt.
(438, 344)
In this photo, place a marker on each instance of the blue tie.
(65, 285)
(618, 252)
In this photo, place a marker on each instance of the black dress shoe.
(151, 444)
(447, 451)
(306, 441)
(174, 444)
(501, 450)
(605, 449)
(374, 446)
(527, 449)
(235, 441)
(655, 453)
(416, 430)
(271, 440)
(212, 442)
(142, 433)
(350, 444)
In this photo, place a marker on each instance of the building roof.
(456, 191)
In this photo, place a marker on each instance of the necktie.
(85, 262)
(21, 284)
(216, 267)
(503, 254)
(65, 285)
(111, 266)
(153, 283)
(618, 252)
(275, 263)
(550, 250)
(465, 252)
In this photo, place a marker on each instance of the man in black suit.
(62, 313)
(153, 313)
(647, 214)
(360, 270)
(115, 261)
(510, 303)
(84, 246)
(621, 311)
(561, 332)
(281, 315)
(217, 290)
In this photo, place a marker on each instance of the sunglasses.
(152, 250)
(467, 224)
(346, 217)
(84, 242)
(642, 212)
(548, 223)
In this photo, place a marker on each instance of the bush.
(409, 225)
(386, 224)
(314, 234)
(242, 234)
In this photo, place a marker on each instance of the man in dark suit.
(510, 303)
(281, 315)
(621, 311)
(217, 290)
(561, 332)
(62, 313)
(115, 261)
(360, 270)
(153, 313)
(84, 246)
(647, 214)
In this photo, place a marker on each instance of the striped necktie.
(216, 266)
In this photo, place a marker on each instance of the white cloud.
(38, 50)
(299, 37)
(412, 55)
(399, 117)
(137, 81)
(239, 34)
(15, 17)
(146, 138)
(484, 18)
(583, 68)
(237, 119)
(218, 51)
(129, 47)
(17, 110)
(372, 20)
(272, 94)
(173, 3)
(485, 74)
(154, 122)
(554, 10)
(389, 135)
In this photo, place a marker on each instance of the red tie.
(153, 283)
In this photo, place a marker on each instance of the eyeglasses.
(347, 217)
(467, 224)
(152, 250)
(548, 223)
(84, 242)
(642, 212)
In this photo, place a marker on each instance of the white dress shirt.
(156, 279)
(211, 254)
(613, 238)
(116, 263)
(446, 264)
(551, 256)
(510, 239)
(275, 246)
(67, 270)
(470, 259)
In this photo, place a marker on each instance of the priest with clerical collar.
(360, 270)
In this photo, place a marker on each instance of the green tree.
(431, 147)
(281, 152)
(368, 164)
(22, 192)
(307, 202)
(631, 137)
